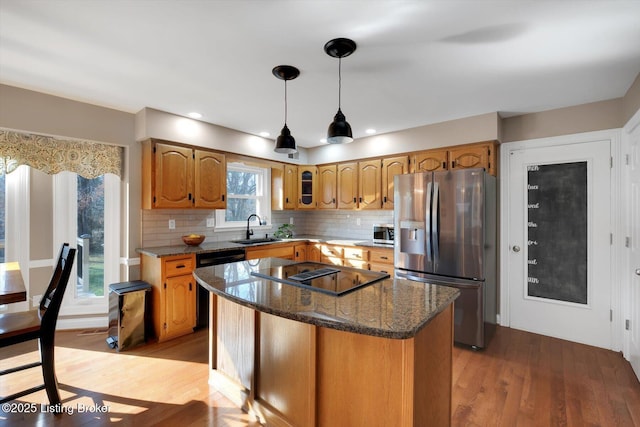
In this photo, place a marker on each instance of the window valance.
(53, 154)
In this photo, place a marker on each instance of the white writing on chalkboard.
(533, 168)
(532, 242)
(533, 280)
(532, 187)
(533, 206)
(532, 261)
(532, 224)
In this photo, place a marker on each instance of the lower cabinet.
(290, 373)
(381, 259)
(173, 295)
(363, 257)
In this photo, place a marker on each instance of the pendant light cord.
(285, 102)
(339, 82)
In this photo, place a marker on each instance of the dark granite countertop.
(162, 251)
(391, 308)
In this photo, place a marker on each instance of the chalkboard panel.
(557, 232)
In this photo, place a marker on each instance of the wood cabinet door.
(290, 186)
(210, 180)
(476, 156)
(327, 180)
(348, 185)
(173, 176)
(300, 252)
(369, 184)
(180, 305)
(313, 252)
(429, 161)
(391, 167)
(307, 184)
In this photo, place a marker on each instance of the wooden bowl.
(193, 239)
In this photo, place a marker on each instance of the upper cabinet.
(210, 176)
(290, 186)
(392, 166)
(181, 177)
(478, 155)
(347, 185)
(429, 161)
(327, 182)
(307, 182)
(474, 156)
(369, 185)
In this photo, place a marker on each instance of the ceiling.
(416, 63)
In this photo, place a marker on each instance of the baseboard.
(83, 322)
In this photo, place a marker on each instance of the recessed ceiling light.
(195, 115)
(370, 131)
(264, 134)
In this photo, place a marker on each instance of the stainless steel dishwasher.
(206, 259)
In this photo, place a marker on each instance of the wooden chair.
(41, 325)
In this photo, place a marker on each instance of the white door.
(634, 292)
(559, 242)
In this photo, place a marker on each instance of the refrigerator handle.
(435, 221)
(427, 221)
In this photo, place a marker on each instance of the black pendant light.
(285, 143)
(339, 130)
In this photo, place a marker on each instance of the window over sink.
(248, 192)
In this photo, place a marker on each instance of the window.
(87, 212)
(248, 192)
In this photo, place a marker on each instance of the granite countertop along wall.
(162, 251)
(391, 308)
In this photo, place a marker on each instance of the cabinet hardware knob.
(516, 249)
(638, 271)
(180, 266)
(384, 257)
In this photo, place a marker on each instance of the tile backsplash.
(330, 223)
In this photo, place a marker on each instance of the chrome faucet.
(249, 231)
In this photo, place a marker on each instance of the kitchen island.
(380, 355)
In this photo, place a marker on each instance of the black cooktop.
(330, 279)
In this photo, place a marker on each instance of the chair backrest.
(52, 298)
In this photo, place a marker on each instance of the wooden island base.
(289, 373)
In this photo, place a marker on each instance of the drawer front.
(356, 253)
(363, 265)
(331, 260)
(381, 256)
(382, 268)
(332, 251)
(178, 267)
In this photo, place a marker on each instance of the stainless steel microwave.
(383, 233)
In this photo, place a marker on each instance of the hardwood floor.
(521, 379)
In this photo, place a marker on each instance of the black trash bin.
(129, 313)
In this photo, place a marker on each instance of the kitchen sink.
(252, 241)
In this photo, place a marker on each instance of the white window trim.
(264, 205)
(17, 220)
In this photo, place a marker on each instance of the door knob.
(516, 248)
(638, 271)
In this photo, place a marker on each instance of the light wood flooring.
(521, 379)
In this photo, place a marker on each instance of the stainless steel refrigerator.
(445, 233)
